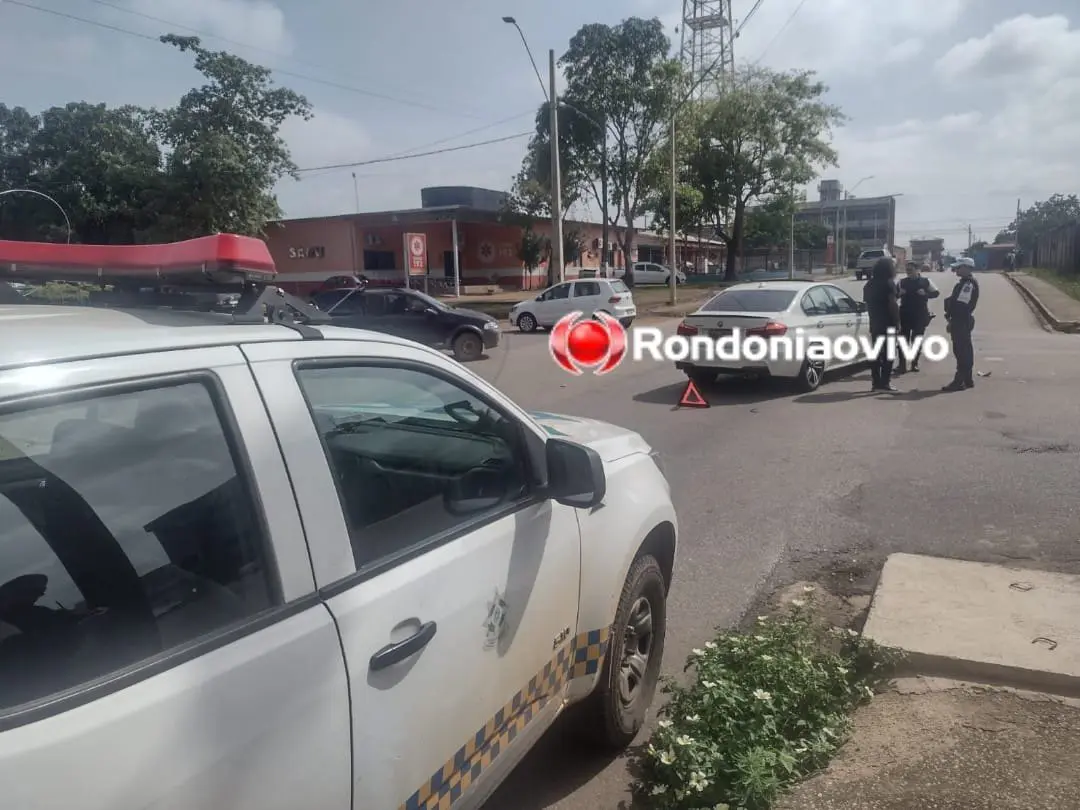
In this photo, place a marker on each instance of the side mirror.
(575, 474)
(476, 490)
(430, 311)
(540, 297)
(860, 306)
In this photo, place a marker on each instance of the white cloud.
(841, 36)
(903, 51)
(1014, 136)
(1021, 52)
(255, 22)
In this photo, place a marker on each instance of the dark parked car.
(412, 315)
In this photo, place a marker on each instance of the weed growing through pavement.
(766, 709)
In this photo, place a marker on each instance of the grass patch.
(1068, 283)
(58, 292)
(766, 709)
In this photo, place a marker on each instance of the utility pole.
(791, 247)
(843, 232)
(674, 182)
(604, 197)
(969, 237)
(356, 192)
(556, 178)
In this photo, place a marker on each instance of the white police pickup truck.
(251, 562)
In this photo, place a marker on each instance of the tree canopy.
(127, 175)
(1040, 218)
(764, 136)
(622, 83)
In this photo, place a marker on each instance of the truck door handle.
(395, 653)
(820, 324)
(849, 323)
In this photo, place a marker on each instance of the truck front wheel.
(615, 712)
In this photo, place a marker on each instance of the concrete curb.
(1041, 310)
(982, 672)
(978, 622)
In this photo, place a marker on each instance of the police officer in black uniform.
(960, 314)
(883, 310)
(915, 292)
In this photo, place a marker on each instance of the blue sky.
(962, 106)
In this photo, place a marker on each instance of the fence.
(1059, 249)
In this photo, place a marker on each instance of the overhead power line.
(749, 16)
(301, 76)
(393, 158)
(783, 28)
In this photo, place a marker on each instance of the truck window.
(125, 530)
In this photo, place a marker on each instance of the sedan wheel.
(810, 376)
(526, 322)
(467, 347)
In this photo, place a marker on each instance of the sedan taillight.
(687, 329)
(771, 329)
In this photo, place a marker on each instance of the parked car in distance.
(609, 295)
(412, 315)
(652, 273)
(867, 259)
(775, 308)
(267, 563)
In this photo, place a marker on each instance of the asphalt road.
(773, 486)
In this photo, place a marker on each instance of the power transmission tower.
(708, 49)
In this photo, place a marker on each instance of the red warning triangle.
(692, 398)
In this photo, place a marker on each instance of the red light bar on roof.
(220, 259)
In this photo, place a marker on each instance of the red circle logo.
(598, 343)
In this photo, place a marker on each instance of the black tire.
(810, 376)
(467, 346)
(614, 713)
(701, 376)
(526, 322)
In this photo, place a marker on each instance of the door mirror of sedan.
(860, 306)
(575, 474)
(431, 311)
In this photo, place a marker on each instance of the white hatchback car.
(774, 308)
(252, 561)
(652, 273)
(590, 296)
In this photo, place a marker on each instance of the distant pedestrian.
(916, 290)
(960, 314)
(1010, 262)
(880, 296)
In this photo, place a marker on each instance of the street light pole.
(845, 207)
(42, 194)
(556, 176)
(674, 181)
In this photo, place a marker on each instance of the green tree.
(811, 236)
(768, 133)
(225, 152)
(101, 165)
(532, 248)
(768, 225)
(622, 75)
(1041, 218)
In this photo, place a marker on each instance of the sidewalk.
(1059, 309)
(963, 730)
(952, 746)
